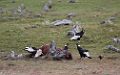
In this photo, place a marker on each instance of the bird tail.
(90, 57)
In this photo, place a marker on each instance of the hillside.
(18, 32)
(14, 36)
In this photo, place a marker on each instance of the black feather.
(81, 51)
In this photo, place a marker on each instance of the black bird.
(100, 57)
(103, 22)
(81, 33)
(68, 55)
(31, 50)
(78, 35)
(66, 47)
(49, 6)
(83, 52)
(72, 1)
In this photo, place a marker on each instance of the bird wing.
(87, 54)
(29, 49)
(38, 53)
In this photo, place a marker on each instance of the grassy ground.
(14, 36)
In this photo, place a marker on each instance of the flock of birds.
(51, 50)
(57, 53)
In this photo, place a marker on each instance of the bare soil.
(107, 66)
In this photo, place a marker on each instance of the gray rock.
(13, 1)
(50, 2)
(37, 15)
(62, 22)
(1, 11)
(14, 56)
(72, 1)
(71, 15)
(116, 40)
(21, 10)
(111, 47)
(108, 21)
(46, 8)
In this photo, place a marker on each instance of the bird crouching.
(68, 55)
(34, 52)
(78, 35)
(83, 52)
(75, 29)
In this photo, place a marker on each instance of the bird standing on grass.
(83, 52)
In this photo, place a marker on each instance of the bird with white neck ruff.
(83, 52)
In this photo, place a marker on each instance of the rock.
(21, 10)
(14, 56)
(13, 1)
(59, 0)
(62, 22)
(116, 40)
(33, 26)
(71, 15)
(111, 47)
(50, 2)
(47, 6)
(1, 11)
(72, 1)
(108, 21)
(10, 64)
(37, 15)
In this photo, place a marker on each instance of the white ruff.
(30, 49)
(87, 54)
(65, 45)
(38, 53)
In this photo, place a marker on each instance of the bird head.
(66, 44)
(27, 48)
(78, 44)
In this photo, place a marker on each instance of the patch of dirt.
(49, 67)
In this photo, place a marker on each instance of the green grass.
(13, 35)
